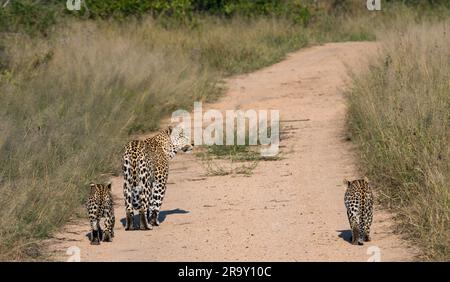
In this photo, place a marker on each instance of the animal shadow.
(346, 235)
(161, 218)
(163, 214)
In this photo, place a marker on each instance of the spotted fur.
(145, 171)
(100, 204)
(359, 203)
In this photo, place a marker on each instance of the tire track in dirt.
(291, 209)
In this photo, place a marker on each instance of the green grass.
(221, 160)
(234, 159)
(399, 115)
(230, 159)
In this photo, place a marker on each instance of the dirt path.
(287, 210)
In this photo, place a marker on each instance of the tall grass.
(67, 106)
(399, 114)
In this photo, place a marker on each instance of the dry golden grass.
(400, 116)
(68, 104)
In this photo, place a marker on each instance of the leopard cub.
(99, 205)
(359, 203)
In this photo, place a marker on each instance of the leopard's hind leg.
(109, 225)
(95, 227)
(145, 194)
(128, 196)
(158, 192)
(368, 217)
(94, 220)
(129, 182)
(355, 223)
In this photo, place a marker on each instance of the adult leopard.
(145, 171)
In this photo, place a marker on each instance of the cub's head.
(363, 181)
(100, 188)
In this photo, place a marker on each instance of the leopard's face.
(169, 141)
(180, 140)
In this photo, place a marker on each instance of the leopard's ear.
(366, 179)
(109, 185)
(92, 185)
(346, 181)
(169, 129)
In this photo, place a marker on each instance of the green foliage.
(423, 2)
(38, 16)
(178, 9)
(29, 16)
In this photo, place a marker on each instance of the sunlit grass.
(400, 116)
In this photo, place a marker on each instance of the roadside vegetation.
(399, 115)
(76, 85)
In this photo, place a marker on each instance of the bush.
(29, 16)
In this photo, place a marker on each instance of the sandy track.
(287, 210)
